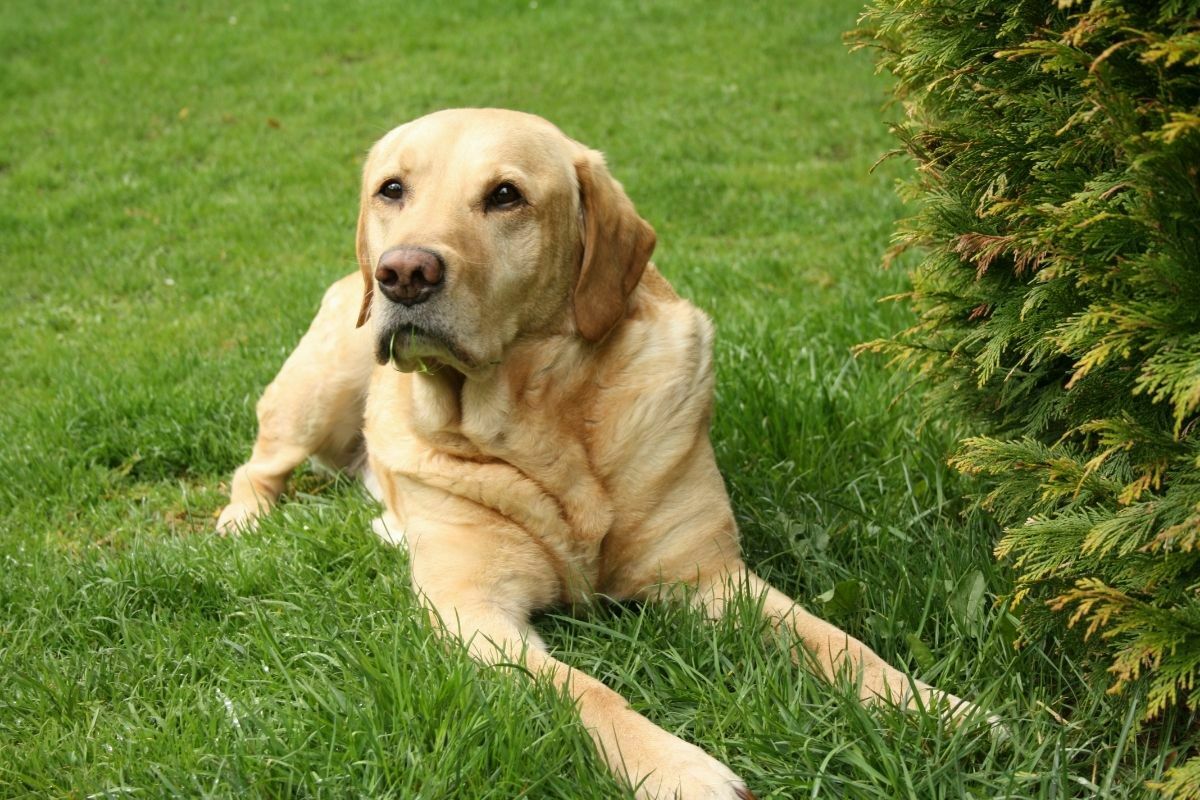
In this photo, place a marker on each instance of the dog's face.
(478, 227)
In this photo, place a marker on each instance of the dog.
(530, 399)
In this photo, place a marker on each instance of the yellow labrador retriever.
(534, 400)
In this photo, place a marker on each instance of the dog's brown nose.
(409, 275)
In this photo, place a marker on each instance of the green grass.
(178, 185)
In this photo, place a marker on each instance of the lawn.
(178, 184)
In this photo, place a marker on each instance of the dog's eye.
(504, 196)
(392, 189)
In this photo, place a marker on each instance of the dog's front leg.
(314, 407)
(833, 651)
(480, 587)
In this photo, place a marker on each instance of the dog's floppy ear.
(617, 244)
(364, 265)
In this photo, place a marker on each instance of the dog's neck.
(547, 382)
(479, 414)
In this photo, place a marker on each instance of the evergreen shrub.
(1057, 225)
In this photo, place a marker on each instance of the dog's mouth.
(413, 348)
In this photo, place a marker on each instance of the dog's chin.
(428, 364)
(410, 348)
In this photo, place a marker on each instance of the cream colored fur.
(549, 441)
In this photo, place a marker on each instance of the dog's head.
(481, 226)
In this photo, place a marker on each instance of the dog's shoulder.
(653, 289)
(655, 382)
(664, 337)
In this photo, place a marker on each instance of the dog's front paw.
(964, 712)
(237, 518)
(898, 688)
(689, 773)
(664, 767)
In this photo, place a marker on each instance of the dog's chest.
(546, 448)
(522, 455)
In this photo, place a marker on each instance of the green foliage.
(1058, 294)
